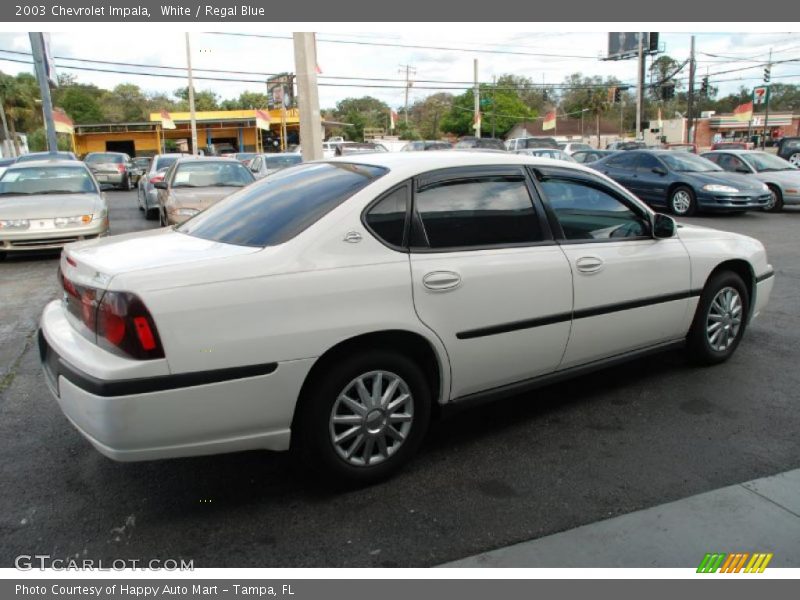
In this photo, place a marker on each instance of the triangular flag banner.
(262, 119)
(166, 120)
(62, 122)
(549, 121)
(392, 119)
(660, 122)
(476, 120)
(317, 69)
(743, 112)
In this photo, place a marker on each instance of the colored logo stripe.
(734, 563)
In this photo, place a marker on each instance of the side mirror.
(659, 170)
(663, 226)
(161, 185)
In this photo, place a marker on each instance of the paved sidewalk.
(757, 516)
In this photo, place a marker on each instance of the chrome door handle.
(589, 264)
(440, 281)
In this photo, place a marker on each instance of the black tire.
(778, 205)
(141, 205)
(698, 344)
(2, 256)
(151, 214)
(311, 438)
(682, 192)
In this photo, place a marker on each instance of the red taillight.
(121, 168)
(116, 321)
(156, 178)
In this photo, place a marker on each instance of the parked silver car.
(782, 177)
(146, 191)
(46, 204)
(266, 164)
(111, 168)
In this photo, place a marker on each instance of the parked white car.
(332, 306)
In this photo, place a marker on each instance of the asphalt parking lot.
(632, 437)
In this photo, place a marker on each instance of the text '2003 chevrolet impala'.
(330, 307)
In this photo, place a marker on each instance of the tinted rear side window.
(387, 218)
(279, 207)
(484, 211)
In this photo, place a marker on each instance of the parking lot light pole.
(37, 48)
(192, 116)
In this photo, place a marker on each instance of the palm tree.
(19, 103)
(597, 104)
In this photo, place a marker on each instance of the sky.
(577, 52)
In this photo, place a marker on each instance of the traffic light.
(668, 92)
(617, 95)
(612, 95)
(766, 74)
(544, 95)
(704, 86)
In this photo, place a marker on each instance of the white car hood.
(97, 261)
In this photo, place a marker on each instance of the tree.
(80, 102)
(427, 114)
(360, 113)
(597, 103)
(19, 95)
(501, 109)
(663, 71)
(246, 100)
(204, 100)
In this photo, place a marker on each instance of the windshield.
(761, 161)
(245, 155)
(47, 180)
(282, 205)
(279, 162)
(211, 174)
(162, 162)
(104, 158)
(688, 163)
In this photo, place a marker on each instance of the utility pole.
(477, 95)
(305, 61)
(690, 96)
(494, 108)
(37, 48)
(640, 88)
(409, 72)
(192, 115)
(766, 106)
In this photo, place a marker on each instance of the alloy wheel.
(371, 418)
(773, 200)
(724, 319)
(795, 159)
(681, 202)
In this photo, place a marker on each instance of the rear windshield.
(277, 208)
(279, 162)
(45, 156)
(211, 174)
(47, 180)
(104, 158)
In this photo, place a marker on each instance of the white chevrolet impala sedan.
(335, 306)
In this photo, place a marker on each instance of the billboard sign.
(280, 91)
(623, 44)
(760, 94)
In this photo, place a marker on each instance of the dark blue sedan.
(681, 182)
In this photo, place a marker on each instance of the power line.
(408, 46)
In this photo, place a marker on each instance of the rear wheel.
(720, 319)
(795, 159)
(775, 203)
(363, 417)
(682, 201)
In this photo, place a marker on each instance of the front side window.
(731, 163)
(163, 162)
(277, 208)
(626, 160)
(482, 211)
(586, 212)
(648, 162)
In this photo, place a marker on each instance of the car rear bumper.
(727, 202)
(112, 178)
(164, 415)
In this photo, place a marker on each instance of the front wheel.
(364, 417)
(795, 159)
(775, 202)
(682, 201)
(720, 319)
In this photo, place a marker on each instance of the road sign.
(760, 94)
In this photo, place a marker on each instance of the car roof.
(190, 158)
(734, 151)
(47, 162)
(412, 163)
